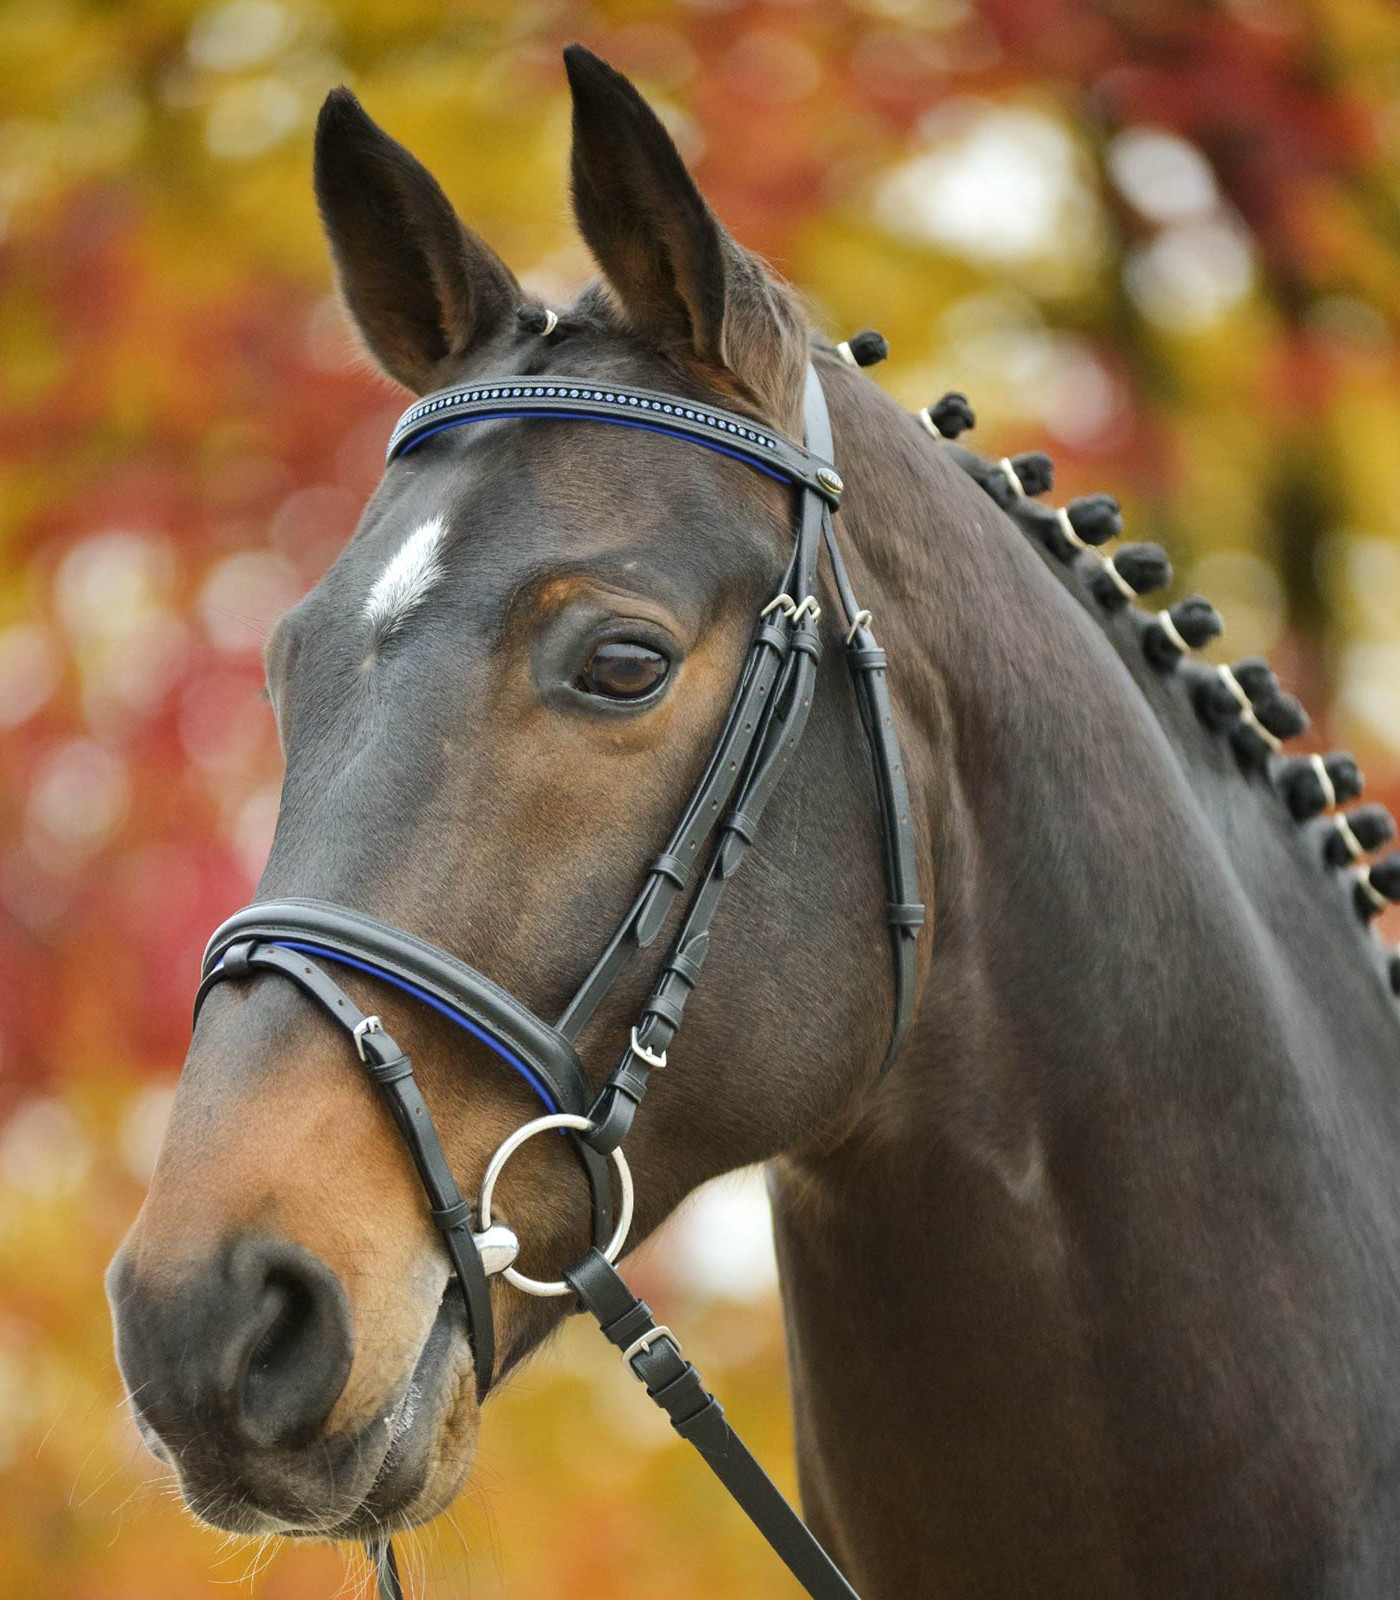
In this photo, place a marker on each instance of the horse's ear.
(423, 289)
(678, 277)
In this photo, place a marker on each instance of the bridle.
(299, 938)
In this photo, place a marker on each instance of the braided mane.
(1241, 703)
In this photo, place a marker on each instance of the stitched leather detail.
(670, 867)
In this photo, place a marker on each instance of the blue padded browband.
(567, 399)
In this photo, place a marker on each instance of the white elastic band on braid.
(929, 425)
(551, 322)
(844, 351)
(1067, 528)
(1172, 632)
(1232, 683)
(1324, 778)
(1017, 487)
(1345, 833)
(1373, 894)
(1120, 582)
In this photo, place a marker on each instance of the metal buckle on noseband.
(610, 1251)
(370, 1024)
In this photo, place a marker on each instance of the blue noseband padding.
(617, 422)
(449, 1011)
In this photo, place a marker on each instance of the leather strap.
(780, 731)
(565, 398)
(386, 1568)
(654, 1356)
(904, 910)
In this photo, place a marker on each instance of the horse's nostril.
(250, 1350)
(289, 1342)
(291, 1325)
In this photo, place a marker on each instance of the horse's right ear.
(423, 289)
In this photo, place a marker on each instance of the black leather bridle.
(298, 939)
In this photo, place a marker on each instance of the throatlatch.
(297, 938)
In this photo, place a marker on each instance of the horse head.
(491, 708)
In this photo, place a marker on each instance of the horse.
(1094, 1288)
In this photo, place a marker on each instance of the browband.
(726, 432)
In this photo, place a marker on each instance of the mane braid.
(1242, 701)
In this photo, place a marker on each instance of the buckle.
(649, 1338)
(862, 619)
(362, 1027)
(641, 1052)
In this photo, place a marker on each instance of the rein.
(297, 938)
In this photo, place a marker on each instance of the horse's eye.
(621, 670)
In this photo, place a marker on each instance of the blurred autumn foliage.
(1161, 240)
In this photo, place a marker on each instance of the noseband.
(299, 939)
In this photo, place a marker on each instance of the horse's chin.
(403, 1468)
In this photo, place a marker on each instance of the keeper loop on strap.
(668, 866)
(452, 1217)
(908, 915)
(685, 967)
(611, 1115)
(236, 962)
(394, 1070)
(869, 658)
(661, 1005)
(741, 823)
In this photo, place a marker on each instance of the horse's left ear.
(678, 277)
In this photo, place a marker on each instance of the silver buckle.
(362, 1027)
(640, 1050)
(808, 605)
(648, 1339)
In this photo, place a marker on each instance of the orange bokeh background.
(1160, 241)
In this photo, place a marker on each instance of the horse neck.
(1114, 905)
(1150, 1071)
(1137, 968)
